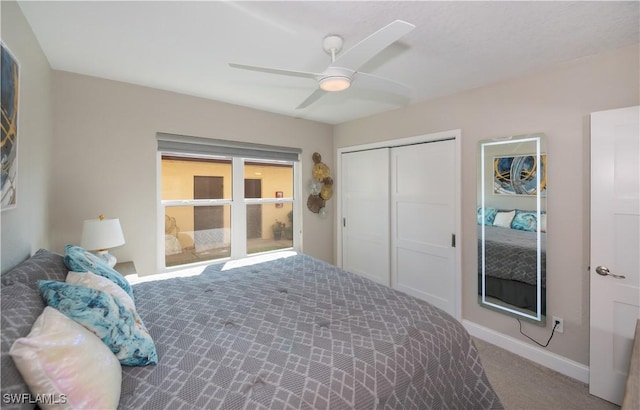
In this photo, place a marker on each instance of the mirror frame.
(536, 317)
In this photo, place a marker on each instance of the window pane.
(197, 233)
(268, 180)
(185, 178)
(269, 227)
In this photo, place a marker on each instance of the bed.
(511, 266)
(291, 332)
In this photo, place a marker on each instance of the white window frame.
(238, 204)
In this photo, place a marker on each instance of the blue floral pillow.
(489, 215)
(78, 259)
(525, 221)
(119, 328)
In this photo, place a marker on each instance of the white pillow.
(504, 219)
(64, 363)
(97, 282)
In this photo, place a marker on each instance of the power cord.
(535, 341)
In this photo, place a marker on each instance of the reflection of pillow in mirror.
(525, 221)
(543, 222)
(504, 218)
(489, 215)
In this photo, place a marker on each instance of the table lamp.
(99, 235)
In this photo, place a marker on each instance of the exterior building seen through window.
(209, 215)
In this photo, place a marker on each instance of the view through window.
(209, 216)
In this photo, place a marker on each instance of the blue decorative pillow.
(78, 259)
(489, 215)
(119, 328)
(525, 221)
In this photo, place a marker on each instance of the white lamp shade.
(101, 234)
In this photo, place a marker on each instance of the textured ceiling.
(186, 46)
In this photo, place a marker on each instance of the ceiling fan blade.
(315, 96)
(365, 50)
(290, 73)
(373, 82)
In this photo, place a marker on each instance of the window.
(225, 206)
(269, 224)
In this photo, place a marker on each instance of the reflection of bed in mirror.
(510, 266)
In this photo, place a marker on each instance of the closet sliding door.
(365, 214)
(399, 207)
(423, 222)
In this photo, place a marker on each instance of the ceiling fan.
(343, 70)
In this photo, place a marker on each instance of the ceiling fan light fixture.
(335, 83)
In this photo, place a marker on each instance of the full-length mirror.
(512, 226)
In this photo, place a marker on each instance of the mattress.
(512, 254)
(296, 332)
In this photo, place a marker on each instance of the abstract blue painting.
(520, 175)
(9, 135)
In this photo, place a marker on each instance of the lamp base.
(108, 258)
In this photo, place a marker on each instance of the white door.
(365, 211)
(615, 245)
(423, 189)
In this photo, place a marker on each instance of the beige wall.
(25, 228)
(555, 102)
(105, 157)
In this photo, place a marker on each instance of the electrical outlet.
(560, 327)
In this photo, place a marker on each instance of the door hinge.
(453, 240)
(344, 222)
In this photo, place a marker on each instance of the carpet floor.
(523, 384)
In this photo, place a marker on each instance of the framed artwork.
(518, 175)
(9, 105)
(279, 195)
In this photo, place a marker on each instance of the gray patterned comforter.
(298, 333)
(512, 254)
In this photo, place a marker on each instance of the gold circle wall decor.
(322, 185)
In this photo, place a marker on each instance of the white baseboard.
(543, 357)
